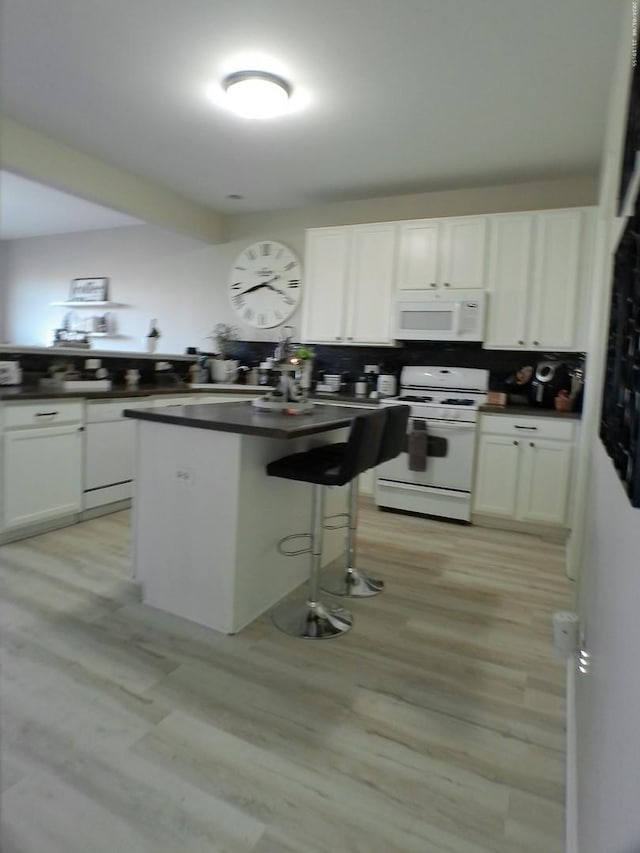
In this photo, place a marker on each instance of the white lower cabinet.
(42, 465)
(524, 469)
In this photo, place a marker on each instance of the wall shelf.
(69, 304)
(105, 335)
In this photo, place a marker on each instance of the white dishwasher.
(109, 451)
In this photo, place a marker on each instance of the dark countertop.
(244, 419)
(529, 412)
(19, 392)
(22, 392)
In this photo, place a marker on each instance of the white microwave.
(453, 316)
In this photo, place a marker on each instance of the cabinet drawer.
(561, 430)
(111, 410)
(43, 413)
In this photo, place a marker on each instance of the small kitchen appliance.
(452, 316)
(549, 378)
(10, 373)
(434, 476)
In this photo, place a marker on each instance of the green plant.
(303, 353)
(223, 334)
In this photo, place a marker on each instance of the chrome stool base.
(351, 583)
(311, 620)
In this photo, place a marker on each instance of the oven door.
(449, 462)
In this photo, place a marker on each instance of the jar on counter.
(362, 386)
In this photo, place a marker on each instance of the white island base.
(207, 521)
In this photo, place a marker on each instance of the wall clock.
(264, 284)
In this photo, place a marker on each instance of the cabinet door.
(555, 282)
(418, 255)
(544, 481)
(109, 453)
(508, 280)
(326, 266)
(464, 253)
(42, 474)
(370, 284)
(495, 489)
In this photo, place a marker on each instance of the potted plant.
(224, 368)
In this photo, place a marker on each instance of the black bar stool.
(347, 579)
(333, 465)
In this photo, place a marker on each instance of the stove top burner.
(458, 401)
(413, 398)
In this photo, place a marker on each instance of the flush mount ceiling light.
(256, 94)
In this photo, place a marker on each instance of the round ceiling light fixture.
(256, 94)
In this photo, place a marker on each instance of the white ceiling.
(29, 209)
(401, 95)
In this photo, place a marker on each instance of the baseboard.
(550, 532)
(571, 772)
(18, 533)
(105, 509)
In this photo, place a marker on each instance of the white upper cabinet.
(509, 262)
(326, 269)
(554, 304)
(349, 284)
(439, 253)
(539, 280)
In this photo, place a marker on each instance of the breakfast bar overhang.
(206, 517)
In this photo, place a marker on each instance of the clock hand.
(260, 285)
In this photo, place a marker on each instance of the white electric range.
(435, 475)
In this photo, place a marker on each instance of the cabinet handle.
(531, 444)
(521, 343)
(536, 343)
(516, 443)
(446, 284)
(338, 338)
(349, 338)
(46, 414)
(517, 426)
(433, 284)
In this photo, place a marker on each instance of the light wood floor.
(435, 726)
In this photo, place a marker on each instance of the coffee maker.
(549, 378)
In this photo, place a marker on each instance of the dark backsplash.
(349, 359)
(331, 359)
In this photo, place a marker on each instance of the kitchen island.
(207, 520)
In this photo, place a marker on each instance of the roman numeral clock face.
(264, 284)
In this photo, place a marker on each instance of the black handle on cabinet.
(433, 284)
(517, 426)
(446, 284)
(46, 414)
(516, 443)
(521, 343)
(536, 343)
(531, 444)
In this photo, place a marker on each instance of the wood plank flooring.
(435, 726)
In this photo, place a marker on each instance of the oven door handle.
(441, 425)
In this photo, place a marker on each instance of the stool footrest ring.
(287, 553)
(344, 518)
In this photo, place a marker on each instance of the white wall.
(156, 273)
(182, 281)
(4, 333)
(608, 698)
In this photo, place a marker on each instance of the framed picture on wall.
(89, 290)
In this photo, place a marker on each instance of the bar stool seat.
(330, 465)
(348, 580)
